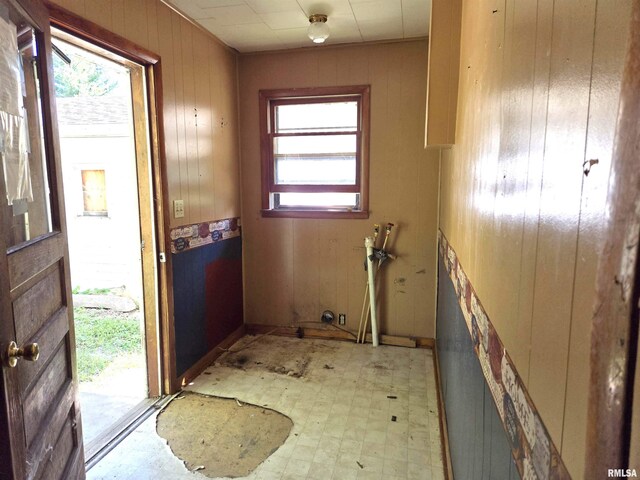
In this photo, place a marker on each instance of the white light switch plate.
(178, 208)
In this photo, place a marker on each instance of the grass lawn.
(101, 336)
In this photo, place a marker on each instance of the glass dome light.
(318, 30)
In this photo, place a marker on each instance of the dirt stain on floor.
(294, 361)
(221, 437)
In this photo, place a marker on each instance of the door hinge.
(142, 245)
(162, 257)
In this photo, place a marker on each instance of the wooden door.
(40, 429)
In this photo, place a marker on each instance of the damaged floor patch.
(265, 353)
(221, 437)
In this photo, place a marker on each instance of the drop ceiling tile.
(344, 37)
(248, 36)
(285, 20)
(215, 3)
(425, 4)
(381, 29)
(342, 23)
(231, 15)
(377, 11)
(250, 25)
(329, 8)
(416, 22)
(293, 36)
(189, 8)
(274, 6)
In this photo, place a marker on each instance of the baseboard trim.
(336, 334)
(442, 415)
(426, 342)
(202, 364)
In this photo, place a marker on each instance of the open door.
(40, 429)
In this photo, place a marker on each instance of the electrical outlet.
(178, 208)
(342, 318)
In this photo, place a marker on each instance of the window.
(315, 152)
(94, 194)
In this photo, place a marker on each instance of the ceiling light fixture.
(318, 30)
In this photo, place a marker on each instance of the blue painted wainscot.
(478, 442)
(495, 431)
(207, 290)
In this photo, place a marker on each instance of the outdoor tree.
(82, 78)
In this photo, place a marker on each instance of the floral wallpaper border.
(198, 234)
(533, 450)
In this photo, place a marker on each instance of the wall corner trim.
(532, 448)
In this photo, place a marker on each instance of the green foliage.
(100, 338)
(82, 78)
(91, 291)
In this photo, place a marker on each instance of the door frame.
(90, 32)
(614, 333)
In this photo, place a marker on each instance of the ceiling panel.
(415, 20)
(328, 7)
(214, 3)
(231, 15)
(285, 20)
(256, 25)
(274, 6)
(378, 11)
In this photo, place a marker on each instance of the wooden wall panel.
(537, 97)
(295, 269)
(96, 11)
(199, 76)
(568, 98)
(606, 75)
(203, 133)
(226, 165)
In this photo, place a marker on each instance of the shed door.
(40, 430)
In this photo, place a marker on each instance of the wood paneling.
(296, 268)
(200, 102)
(591, 230)
(537, 98)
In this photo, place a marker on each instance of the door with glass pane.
(40, 429)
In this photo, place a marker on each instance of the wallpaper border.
(531, 446)
(188, 237)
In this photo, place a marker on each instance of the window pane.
(316, 144)
(317, 117)
(315, 160)
(315, 171)
(23, 157)
(321, 200)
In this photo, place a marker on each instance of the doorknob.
(29, 352)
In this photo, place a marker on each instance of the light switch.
(178, 208)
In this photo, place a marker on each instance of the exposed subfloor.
(358, 412)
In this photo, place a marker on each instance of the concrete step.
(108, 302)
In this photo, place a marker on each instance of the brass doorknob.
(29, 352)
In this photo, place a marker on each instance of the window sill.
(330, 214)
